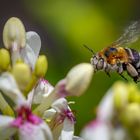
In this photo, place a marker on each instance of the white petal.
(68, 130)
(34, 41)
(30, 97)
(49, 114)
(9, 87)
(6, 130)
(30, 53)
(46, 130)
(43, 89)
(60, 104)
(105, 108)
(119, 133)
(29, 131)
(77, 138)
(99, 131)
(46, 103)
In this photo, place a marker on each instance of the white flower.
(62, 120)
(102, 128)
(27, 125)
(21, 80)
(97, 130)
(105, 109)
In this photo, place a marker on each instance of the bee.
(119, 58)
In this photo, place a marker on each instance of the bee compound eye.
(131, 70)
(100, 64)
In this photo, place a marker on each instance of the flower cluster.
(30, 107)
(118, 115)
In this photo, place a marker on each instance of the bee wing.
(130, 35)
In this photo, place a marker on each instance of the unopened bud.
(41, 66)
(78, 79)
(14, 33)
(134, 93)
(131, 115)
(22, 74)
(4, 59)
(120, 95)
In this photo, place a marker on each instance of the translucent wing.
(130, 35)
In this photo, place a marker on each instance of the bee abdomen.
(134, 57)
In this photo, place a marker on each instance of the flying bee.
(119, 59)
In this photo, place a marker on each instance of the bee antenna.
(89, 49)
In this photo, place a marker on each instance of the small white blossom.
(63, 120)
(27, 125)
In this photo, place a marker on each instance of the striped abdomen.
(134, 57)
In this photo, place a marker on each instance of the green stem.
(5, 107)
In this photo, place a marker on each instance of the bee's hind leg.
(136, 79)
(123, 77)
(108, 74)
(120, 71)
(132, 71)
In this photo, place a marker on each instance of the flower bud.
(120, 95)
(131, 115)
(134, 94)
(4, 59)
(14, 33)
(41, 66)
(22, 74)
(78, 79)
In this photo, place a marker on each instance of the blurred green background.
(64, 26)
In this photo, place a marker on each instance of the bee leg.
(123, 77)
(120, 71)
(132, 71)
(107, 70)
(136, 79)
(108, 74)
